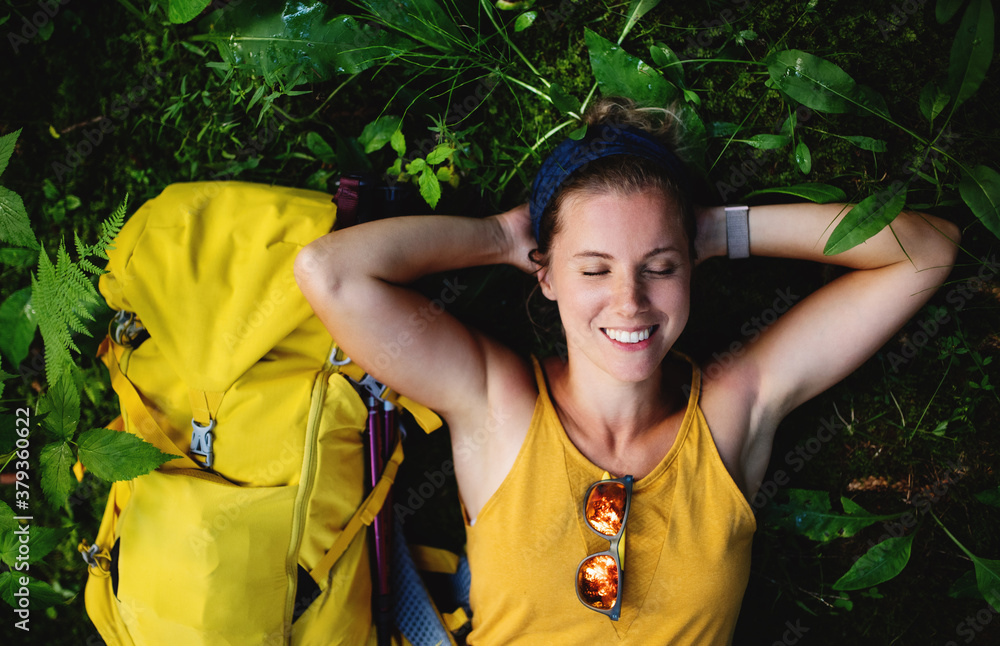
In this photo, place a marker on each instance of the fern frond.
(50, 310)
(109, 231)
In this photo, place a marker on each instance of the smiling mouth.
(624, 336)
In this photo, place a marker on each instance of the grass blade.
(971, 52)
(866, 219)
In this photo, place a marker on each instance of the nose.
(630, 295)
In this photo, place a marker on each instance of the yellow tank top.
(687, 557)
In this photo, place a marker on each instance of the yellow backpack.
(252, 535)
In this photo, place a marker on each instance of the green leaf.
(525, 20)
(803, 157)
(989, 497)
(61, 407)
(820, 84)
(879, 564)
(932, 100)
(41, 541)
(980, 189)
(971, 52)
(7, 143)
(15, 227)
(398, 142)
(17, 326)
(868, 143)
(768, 142)
(422, 20)
(40, 594)
(945, 9)
(665, 58)
(819, 193)
(966, 587)
(988, 578)
(57, 462)
(181, 11)
(7, 522)
(866, 219)
(18, 258)
(443, 174)
(430, 187)
(318, 146)
(416, 166)
(440, 153)
(564, 102)
(636, 10)
(578, 133)
(621, 74)
(113, 455)
(809, 513)
(379, 132)
(291, 42)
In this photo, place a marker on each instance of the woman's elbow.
(314, 272)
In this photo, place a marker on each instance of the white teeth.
(628, 337)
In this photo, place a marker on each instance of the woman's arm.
(353, 279)
(832, 332)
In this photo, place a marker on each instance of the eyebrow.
(607, 256)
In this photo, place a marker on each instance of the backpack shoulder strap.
(362, 518)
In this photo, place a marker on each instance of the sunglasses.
(600, 577)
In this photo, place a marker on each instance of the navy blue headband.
(601, 141)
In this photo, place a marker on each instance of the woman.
(611, 237)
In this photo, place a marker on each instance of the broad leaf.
(564, 101)
(819, 193)
(398, 143)
(525, 20)
(665, 58)
(440, 153)
(17, 326)
(61, 406)
(932, 100)
(803, 157)
(809, 513)
(619, 73)
(820, 84)
(988, 578)
(868, 143)
(866, 219)
(41, 541)
(7, 143)
(430, 187)
(879, 564)
(636, 10)
(7, 522)
(971, 52)
(15, 228)
(40, 595)
(422, 20)
(379, 132)
(181, 11)
(57, 462)
(768, 142)
(296, 42)
(318, 146)
(113, 455)
(989, 497)
(966, 587)
(945, 9)
(981, 191)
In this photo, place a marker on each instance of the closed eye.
(662, 272)
(596, 273)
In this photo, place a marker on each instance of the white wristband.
(738, 230)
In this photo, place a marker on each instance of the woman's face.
(620, 272)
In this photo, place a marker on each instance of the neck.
(607, 411)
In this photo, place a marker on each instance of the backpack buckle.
(374, 387)
(127, 330)
(89, 554)
(201, 441)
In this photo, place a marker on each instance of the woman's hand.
(517, 238)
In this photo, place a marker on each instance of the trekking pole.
(382, 601)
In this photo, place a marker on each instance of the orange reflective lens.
(597, 581)
(606, 508)
(600, 577)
